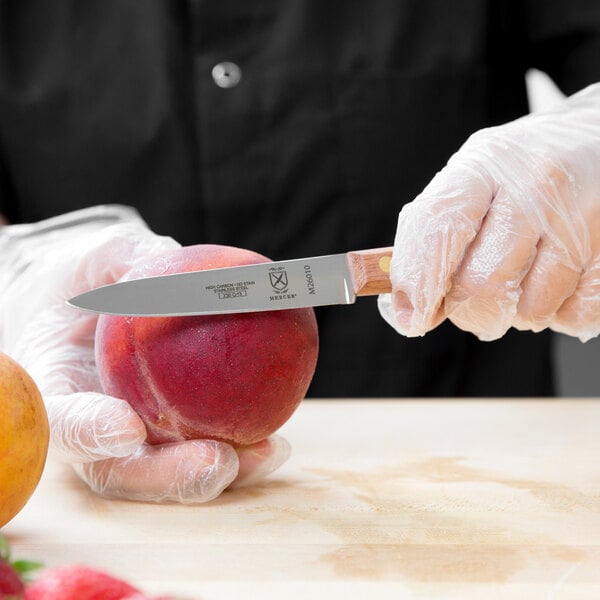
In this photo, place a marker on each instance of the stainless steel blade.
(298, 283)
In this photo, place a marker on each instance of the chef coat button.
(226, 74)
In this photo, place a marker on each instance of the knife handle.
(370, 270)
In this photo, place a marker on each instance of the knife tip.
(75, 302)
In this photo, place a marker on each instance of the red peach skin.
(234, 378)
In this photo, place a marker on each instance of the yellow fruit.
(24, 436)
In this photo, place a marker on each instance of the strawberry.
(11, 584)
(80, 582)
(73, 582)
(13, 574)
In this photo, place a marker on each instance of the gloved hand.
(508, 233)
(41, 266)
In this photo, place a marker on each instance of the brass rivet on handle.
(384, 264)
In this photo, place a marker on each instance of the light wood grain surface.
(381, 499)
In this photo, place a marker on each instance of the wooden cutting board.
(381, 499)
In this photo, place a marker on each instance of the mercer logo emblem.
(279, 279)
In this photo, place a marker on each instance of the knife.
(298, 283)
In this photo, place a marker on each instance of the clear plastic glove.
(41, 266)
(508, 233)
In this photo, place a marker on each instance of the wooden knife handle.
(370, 270)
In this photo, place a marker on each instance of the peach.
(24, 438)
(235, 378)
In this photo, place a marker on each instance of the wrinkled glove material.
(508, 233)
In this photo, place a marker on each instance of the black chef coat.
(342, 113)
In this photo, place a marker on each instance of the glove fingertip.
(404, 311)
(89, 426)
(126, 442)
(398, 311)
(261, 459)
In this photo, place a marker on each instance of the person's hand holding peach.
(41, 266)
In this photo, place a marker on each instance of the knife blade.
(287, 284)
